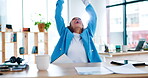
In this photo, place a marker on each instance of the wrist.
(86, 2)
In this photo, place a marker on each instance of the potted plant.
(42, 25)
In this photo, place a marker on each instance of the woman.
(75, 41)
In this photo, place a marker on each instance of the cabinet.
(25, 38)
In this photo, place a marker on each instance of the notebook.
(139, 46)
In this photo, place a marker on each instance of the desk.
(137, 55)
(68, 71)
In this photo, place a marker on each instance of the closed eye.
(76, 19)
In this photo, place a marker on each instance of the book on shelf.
(26, 29)
(14, 37)
(34, 50)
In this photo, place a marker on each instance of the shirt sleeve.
(92, 21)
(58, 16)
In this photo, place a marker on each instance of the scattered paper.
(124, 69)
(63, 59)
(92, 70)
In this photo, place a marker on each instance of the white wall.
(77, 8)
(2, 21)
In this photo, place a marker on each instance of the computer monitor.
(140, 44)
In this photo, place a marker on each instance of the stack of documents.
(124, 69)
(12, 67)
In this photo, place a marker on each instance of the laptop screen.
(140, 45)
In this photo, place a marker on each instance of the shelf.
(25, 43)
(22, 32)
(8, 32)
(10, 42)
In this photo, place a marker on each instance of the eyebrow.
(77, 18)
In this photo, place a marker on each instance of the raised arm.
(59, 20)
(93, 18)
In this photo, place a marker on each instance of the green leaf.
(47, 25)
(36, 23)
(40, 15)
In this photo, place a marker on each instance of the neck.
(78, 30)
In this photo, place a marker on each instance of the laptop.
(139, 46)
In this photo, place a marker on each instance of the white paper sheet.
(126, 69)
(92, 70)
(63, 59)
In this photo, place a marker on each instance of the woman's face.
(76, 22)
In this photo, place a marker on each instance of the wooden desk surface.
(68, 71)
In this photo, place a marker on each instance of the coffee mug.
(118, 48)
(42, 62)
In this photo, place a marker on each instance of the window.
(14, 14)
(31, 8)
(20, 12)
(137, 28)
(115, 25)
(127, 17)
(131, 0)
(112, 2)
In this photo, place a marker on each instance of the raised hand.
(86, 2)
